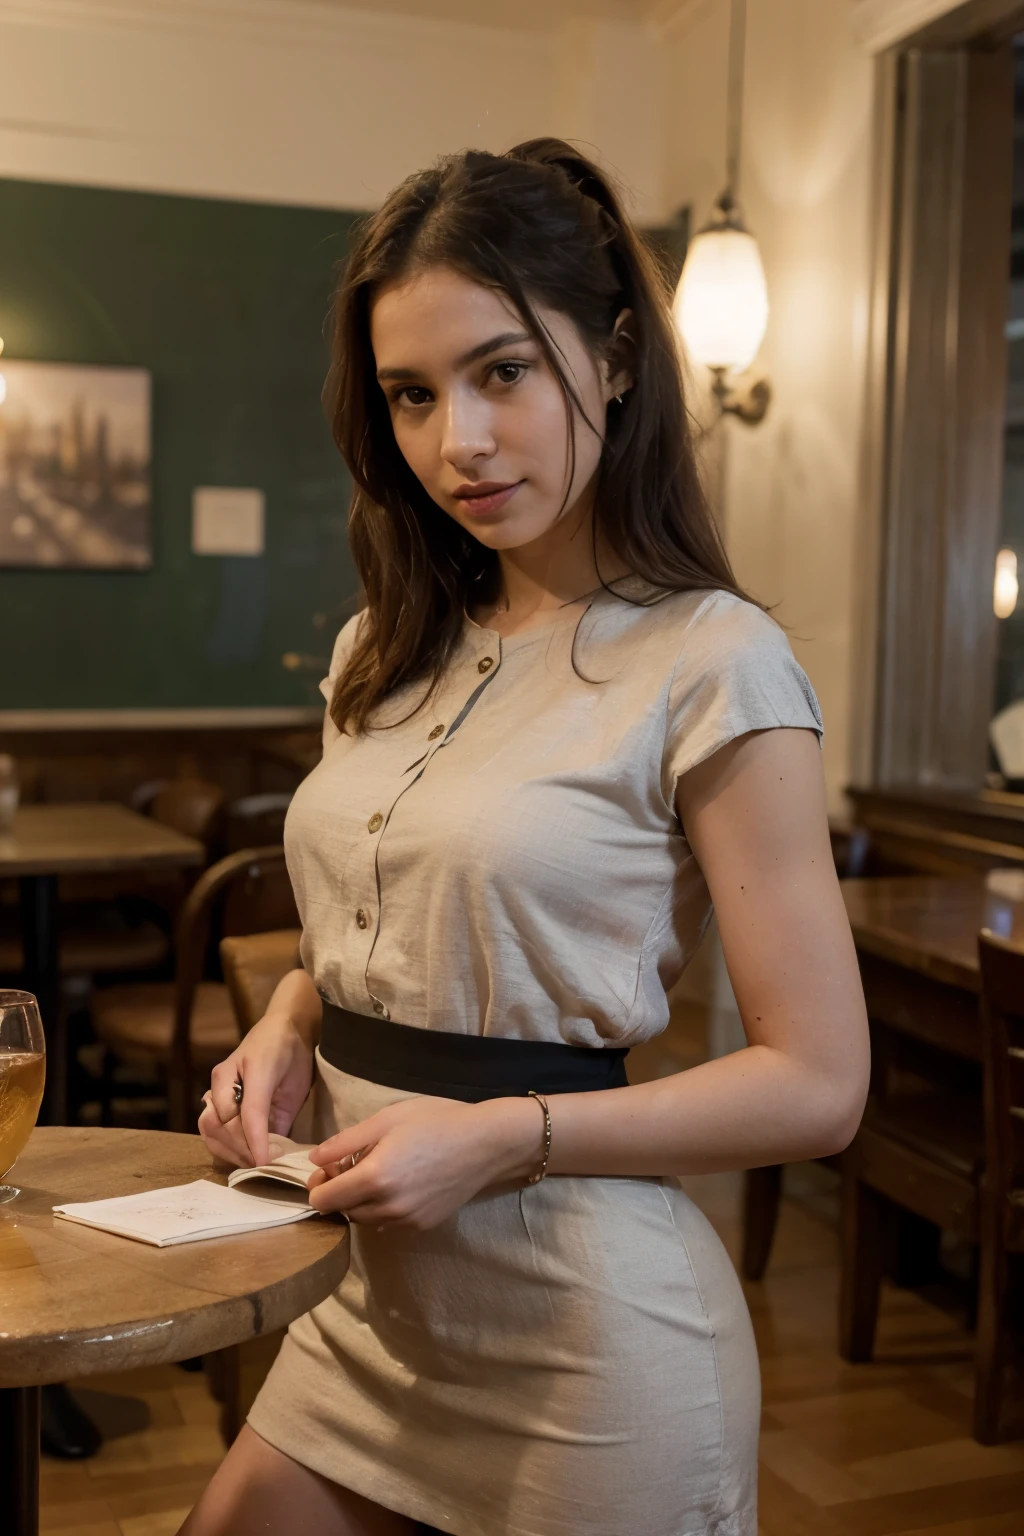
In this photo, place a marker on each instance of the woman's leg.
(259, 1491)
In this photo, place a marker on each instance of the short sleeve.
(735, 673)
(343, 648)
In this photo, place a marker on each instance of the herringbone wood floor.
(871, 1450)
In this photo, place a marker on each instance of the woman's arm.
(755, 816)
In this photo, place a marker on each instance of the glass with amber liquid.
(22, 1075)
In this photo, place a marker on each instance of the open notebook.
(274, 1195)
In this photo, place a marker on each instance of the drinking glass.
(22, 1075)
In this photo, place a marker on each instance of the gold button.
(435, 733)
(486, 664)
(375, 822)
(362, 921)
(378, 1006)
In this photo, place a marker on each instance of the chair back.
(256, 821)
(1002, 1011)
(259, 897)
(251, 887)
(193, 807)
(253, 964)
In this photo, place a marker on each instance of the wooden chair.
(1002, 1188)
(255, 821)
(253, 964)
(189, 1024)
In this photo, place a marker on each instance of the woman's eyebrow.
(506, 339)
(484, 349)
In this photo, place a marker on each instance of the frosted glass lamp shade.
(1004, 595)
(721, 304)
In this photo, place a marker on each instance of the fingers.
(226, 1142)
(346, 1144)
(255, 1113)
(347, 1191)
(222, 1087)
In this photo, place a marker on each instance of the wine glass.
(22, 1075)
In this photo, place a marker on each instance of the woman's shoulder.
(720, 623)
(732, 671)
(697, 627)
(344, 645)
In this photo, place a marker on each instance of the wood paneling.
(945, 832)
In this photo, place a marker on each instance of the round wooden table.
(74, 1301)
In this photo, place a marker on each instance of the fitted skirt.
(572, 1358)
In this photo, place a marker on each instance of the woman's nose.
(467, 432)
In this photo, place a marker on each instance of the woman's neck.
(555, 573)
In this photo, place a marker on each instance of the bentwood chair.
(186, 1026)
(253, 964)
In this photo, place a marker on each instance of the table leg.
(39, 937)
(19, 1458)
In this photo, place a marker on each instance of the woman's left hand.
(415, 1163)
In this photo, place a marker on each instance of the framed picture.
(74, 467)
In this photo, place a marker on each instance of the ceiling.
(528, 15)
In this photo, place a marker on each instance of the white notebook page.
(189, 1213)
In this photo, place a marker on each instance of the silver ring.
(239, 1090)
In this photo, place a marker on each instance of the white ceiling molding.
(301, 22)
(879, 24)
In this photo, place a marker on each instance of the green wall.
(226, 304)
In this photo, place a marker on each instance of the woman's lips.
(481, 506)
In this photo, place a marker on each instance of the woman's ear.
(620, 359)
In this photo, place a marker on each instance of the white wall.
(309, 102)
(790, 485)
(299, 101)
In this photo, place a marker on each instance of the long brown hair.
(543, 225)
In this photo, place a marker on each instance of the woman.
(556, 732)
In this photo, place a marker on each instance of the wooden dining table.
(75, 1301)
(917, 943)
(48, 841)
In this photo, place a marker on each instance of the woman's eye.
(509, 373)
(413, 394)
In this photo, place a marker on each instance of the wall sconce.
(721, 303)
(1005, 588)
(721, 308)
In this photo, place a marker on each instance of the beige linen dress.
(573, 1358)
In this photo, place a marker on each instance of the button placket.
(437, 738)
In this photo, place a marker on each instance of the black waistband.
(467, 1067)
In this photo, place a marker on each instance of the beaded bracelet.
(542, 1101)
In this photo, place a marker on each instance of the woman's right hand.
(274, 1063)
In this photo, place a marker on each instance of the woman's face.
(477, 411)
